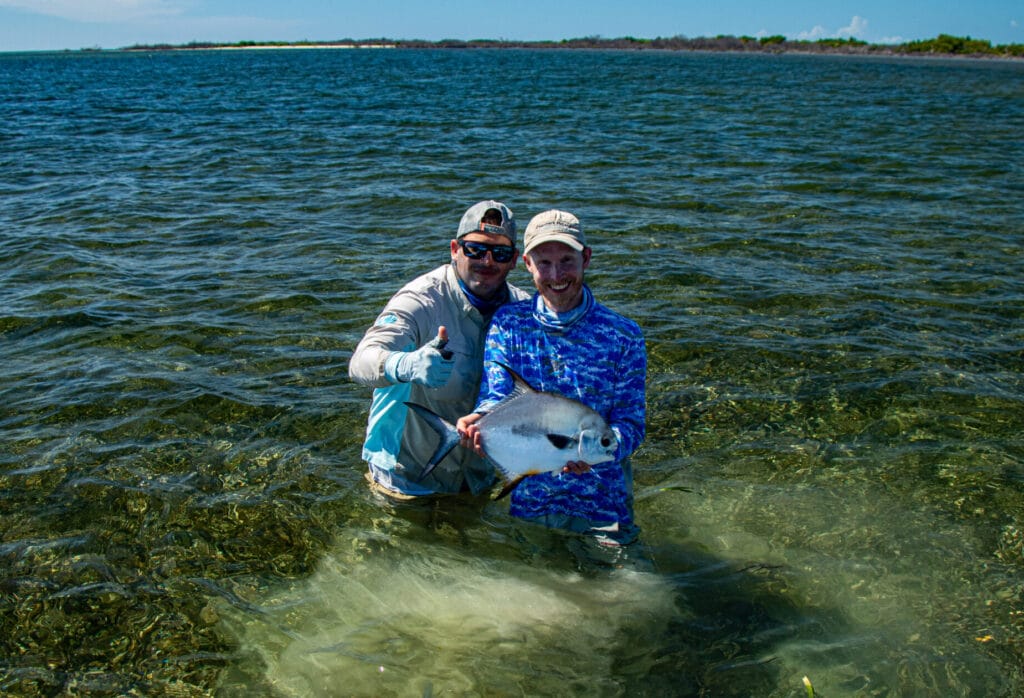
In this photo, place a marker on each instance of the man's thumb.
(440, 341)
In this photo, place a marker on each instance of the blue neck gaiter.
(486, 307)
(559, 322)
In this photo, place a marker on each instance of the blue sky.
(28, 25)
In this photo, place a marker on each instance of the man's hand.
(470, 432)
(576, 467)
(430, 365)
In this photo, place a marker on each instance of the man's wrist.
(393, 368)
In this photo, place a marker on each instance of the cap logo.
(492, 229)
(559, 227)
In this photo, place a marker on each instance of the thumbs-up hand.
(430, 365)
(440, 341)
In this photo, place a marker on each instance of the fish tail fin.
(445, 429)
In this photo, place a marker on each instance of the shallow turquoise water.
(825, 256)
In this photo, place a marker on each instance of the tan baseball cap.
(554, 226)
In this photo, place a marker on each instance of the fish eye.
(606, 442)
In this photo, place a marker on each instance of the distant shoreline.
(942, 46)
(265, 47)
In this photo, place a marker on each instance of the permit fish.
(530, 432)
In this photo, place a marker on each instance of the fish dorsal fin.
(519, 384)
(560, 441)
(519, 388)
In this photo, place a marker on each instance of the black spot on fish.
(560, 441)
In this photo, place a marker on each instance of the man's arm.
(395, 329)
(628, 416)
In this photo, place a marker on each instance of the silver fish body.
(531, 432)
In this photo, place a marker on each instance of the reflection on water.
(395, 610)
(737, 591)
(884, 593)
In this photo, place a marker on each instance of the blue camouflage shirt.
(600, 359)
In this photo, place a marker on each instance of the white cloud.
(858, 25)
(856, 29)
(97, 10)
(819, 32)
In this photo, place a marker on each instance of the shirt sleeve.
(628, 417)
(396, 329)
(495, 383)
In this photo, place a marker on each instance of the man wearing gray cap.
(426, 347)
(565, 342)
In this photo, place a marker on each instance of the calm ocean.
(826, 255)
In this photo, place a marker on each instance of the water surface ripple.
(825, 254)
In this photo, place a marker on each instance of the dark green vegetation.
(944, 44)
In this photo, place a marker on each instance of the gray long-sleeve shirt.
(399, 443)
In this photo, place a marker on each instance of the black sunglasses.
(501, 254)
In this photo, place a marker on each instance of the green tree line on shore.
(943, 44)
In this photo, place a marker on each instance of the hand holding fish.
(472, 439)
(469, 432)
(527, 433)
(576, 467)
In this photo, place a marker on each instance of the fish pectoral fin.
(561, 441)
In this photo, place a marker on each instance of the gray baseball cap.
(473, 221)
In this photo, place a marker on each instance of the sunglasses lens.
(474, 250)
(502, 254)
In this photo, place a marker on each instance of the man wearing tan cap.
(563, 341)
